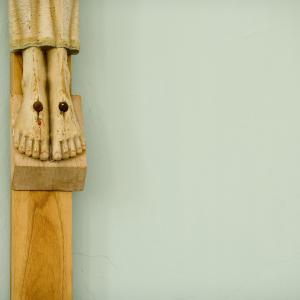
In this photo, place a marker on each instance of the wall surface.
(193, 124)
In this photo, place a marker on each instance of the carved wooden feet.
(46, 126)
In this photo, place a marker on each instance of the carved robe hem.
(73, 47)
(44, 23)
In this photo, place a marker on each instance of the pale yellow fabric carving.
(44, 23)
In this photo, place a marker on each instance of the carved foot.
(31, 129)
(66, 135)
(67, 140)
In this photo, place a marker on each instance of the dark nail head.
(63, 106)
(38, 106)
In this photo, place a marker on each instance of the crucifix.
(48, 148)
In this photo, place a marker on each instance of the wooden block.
(41, 245)
(30, 174)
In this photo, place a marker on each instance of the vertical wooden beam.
(41, 249)
(16, 72)
(41, 234)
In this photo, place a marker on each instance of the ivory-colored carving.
(66, 134)
(31, 129)
(46, 125)
(44, 23)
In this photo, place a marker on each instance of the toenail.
(63, 106)
(38, 106)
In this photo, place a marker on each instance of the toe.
(36, 149)
(56, 150)
(57, 155)
(28, 150)
(44, 150)
(82, 139)
(65, 149)
(16, 138)
(22, 144)
(78, 145)
(72, 148)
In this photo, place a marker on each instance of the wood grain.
(16, 73)
(41, 246)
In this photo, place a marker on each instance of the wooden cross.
(42, 184)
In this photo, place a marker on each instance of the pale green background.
(192, 113)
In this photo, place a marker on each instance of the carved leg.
(66, 135)
(31, 129)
